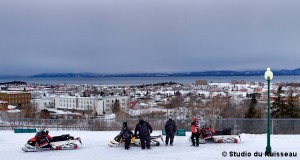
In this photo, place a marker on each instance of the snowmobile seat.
(61, 138)
(225, 131)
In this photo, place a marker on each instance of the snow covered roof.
(145, 111)
(62, 112)
(13, 92)
(10, 107)
(14, 111)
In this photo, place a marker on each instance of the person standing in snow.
(170, 129)
(195, 132)
(144, 129)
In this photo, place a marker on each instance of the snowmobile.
(119, 141)
(208, 134)
(225, 136)
(41, 141)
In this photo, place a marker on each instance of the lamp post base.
(268, 150)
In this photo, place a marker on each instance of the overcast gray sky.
(132, 36)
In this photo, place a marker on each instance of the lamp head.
(268, 74)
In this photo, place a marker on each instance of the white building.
(43, 103)
(101, 105)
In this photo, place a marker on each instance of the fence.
(253, 126)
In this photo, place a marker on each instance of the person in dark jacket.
(119, 137)
(195, 132)
(44, 139)
(127, 134)
(170, 129)
(144, 129)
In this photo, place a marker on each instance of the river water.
(146, 80)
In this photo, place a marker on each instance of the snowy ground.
(95, 148)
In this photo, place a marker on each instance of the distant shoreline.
(144, 80)
(284, 72)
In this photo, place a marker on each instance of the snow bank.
(95, 148)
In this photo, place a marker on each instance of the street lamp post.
(268, 77)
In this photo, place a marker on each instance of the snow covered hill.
(95, 148)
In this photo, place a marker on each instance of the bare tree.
(231, 110)
(214, 108)
(176, 102)
(44, 114)
(29, 111)
(195, 105)
(14, 118)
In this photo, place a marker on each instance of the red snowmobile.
(206, 133)
(222, 136)
(42, 141)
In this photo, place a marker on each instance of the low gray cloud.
(128, 36)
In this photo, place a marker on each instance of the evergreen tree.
(278, 106)
(177, 93)
(282, 109)
(116, 106)
(292, 109)
(252, 111)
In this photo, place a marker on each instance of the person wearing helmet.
(170, 129)
(44, 139)
(144, 129)
(195, 132)
(127, 134)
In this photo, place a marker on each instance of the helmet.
(43, 132)
(194, 119)
(141, 118)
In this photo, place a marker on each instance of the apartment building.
(101, 105)
(3, 105)
(16, 98)
(201, 82)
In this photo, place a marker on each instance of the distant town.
(201, 99)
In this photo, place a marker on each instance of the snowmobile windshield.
(38, 134)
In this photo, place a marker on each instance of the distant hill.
(14, 83)
(179, 74)
(68, 75)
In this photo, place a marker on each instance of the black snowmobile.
(42, 141)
